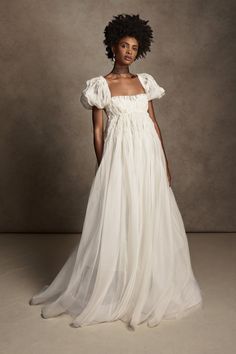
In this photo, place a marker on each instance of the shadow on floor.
(43, 255)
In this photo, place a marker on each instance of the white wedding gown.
(133, 261)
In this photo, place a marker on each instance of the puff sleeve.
(153, 89)
(94, 94)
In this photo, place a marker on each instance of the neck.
(120, 69)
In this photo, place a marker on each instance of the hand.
(168, 174)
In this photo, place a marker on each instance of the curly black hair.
(128, 25)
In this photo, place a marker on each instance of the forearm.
(98, 141)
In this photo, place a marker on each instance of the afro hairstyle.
(128, 25)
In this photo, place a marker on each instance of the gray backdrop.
(50, 48)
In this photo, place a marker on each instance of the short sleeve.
(94, 94)
(153, 89)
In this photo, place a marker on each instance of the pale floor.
(28, 262)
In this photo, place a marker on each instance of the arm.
(152, 116)
(98, 133)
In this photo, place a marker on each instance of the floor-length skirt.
(133, 261)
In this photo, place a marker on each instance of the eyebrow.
(134, 45)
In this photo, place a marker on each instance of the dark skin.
(121, 83)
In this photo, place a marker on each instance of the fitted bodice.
(123, 105)
(128, 115)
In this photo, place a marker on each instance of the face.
(126, 50)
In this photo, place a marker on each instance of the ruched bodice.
(132, 104)
(128, 115)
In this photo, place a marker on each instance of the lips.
(128, 58)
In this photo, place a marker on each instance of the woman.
(133, 262)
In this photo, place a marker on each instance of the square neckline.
(137, 94)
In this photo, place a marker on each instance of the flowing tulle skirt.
(133, 261)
